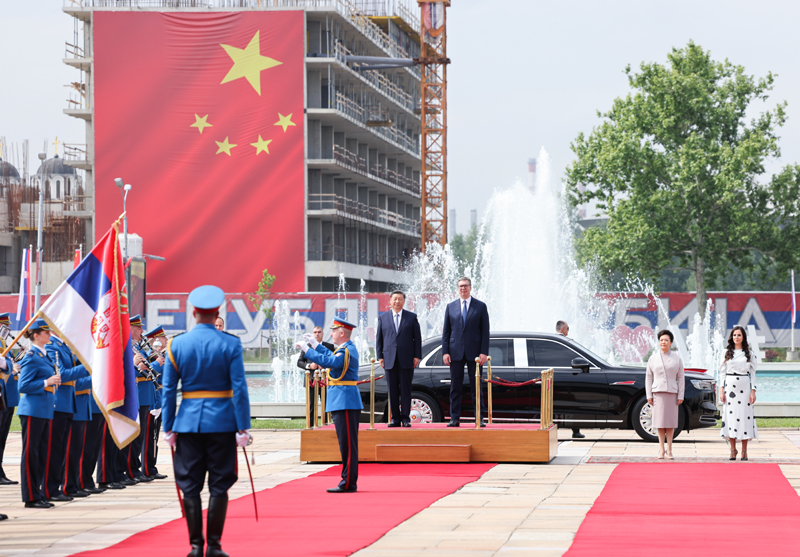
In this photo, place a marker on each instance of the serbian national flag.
(24, 301)
(203, 114)
(89, 311)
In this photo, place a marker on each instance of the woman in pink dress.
(665, 386)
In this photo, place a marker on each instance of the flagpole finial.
(122, 216)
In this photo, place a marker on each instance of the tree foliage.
(465, 248)
(262, 294)
(676, 168)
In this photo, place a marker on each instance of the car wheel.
(643, 421)
(424, 409)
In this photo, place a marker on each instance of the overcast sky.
(524, 74)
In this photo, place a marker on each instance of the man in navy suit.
(398, 345)
(465, 336)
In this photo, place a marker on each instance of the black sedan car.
(589, 392)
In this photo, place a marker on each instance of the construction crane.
(433, 62)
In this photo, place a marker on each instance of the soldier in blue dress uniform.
(37, 383)
(214, 416)
(343, 399)
(9, 377)
(147, 398)
(158, 340)
(74, 482)
(70, 369)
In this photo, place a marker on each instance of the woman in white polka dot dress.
(738, 393)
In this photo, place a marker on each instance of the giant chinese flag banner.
(202, 113)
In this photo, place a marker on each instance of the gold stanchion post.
(316, 397)
(477, 393)
(308, 399)
(323, 396)
(489, 388)
(372, 394)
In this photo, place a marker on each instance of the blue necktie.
(464, 313)
(396, 322)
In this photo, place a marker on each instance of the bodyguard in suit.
(302, 362)
(37, 383)
(398, 345)
(214, 416)
(9, 384)
(465, 336)
(343, 399)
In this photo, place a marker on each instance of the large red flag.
(202, 113)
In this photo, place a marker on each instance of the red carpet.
(692, 509)
(443, 425)
(299, 518)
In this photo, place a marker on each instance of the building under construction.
(363, 169)
(65, 219)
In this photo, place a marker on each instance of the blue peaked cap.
(207, 298)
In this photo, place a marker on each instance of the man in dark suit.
(398, 345)
(562, 328)
(303, 363)
(465, 336)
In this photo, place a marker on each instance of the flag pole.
(19, 336)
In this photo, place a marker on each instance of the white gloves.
(311, 340)
(243, 439)
(171, 438)
(302, 345)
(156, 412)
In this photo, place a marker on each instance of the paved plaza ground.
(514, 509)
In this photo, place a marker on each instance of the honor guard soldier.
(70, 370)
(37, 383)
(9, 379)
(74, 483)
(343, 399)
(158, 340)
(213, 418)
(147, 398)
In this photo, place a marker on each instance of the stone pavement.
(514, 509)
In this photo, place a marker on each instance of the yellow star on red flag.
(262, 145)
(284, 121)
(224, 147)
(201, 123)
(248, 63)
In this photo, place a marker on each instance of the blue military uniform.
(9, 384)
(153, 423)
(343, 401)
(215, 405)
(65, 406)
(74, 482)
(146, 392)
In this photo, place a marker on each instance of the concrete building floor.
(514, 509)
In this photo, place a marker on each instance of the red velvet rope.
(506, 383)
(324, 382)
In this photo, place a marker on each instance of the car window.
(548, 353)
(502, 352)
(435, 359)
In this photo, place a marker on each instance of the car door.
(580, 399)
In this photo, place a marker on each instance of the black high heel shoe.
(744, 455)
(734, 452)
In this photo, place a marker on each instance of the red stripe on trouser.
(28, 458)
(130, 471)
(103, 451)
(349, 451)
(66, 462)
(83, 450)
(47, 466)
(146, 454)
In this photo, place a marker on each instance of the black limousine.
(588, 391)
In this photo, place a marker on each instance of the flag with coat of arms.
(89, 312)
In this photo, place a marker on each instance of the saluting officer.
(70, 369)
(214, 416)
(38, 379)
(343, 399)
(9, 375)
(158, 340)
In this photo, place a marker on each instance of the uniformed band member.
(38, 379)
(74, 484)
(147, 398)
(213, 418)
(343, 399)
(95, 436)
(9, 377)
(158, 340)
(70, 370)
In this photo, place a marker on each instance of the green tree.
(260, 296)
(676, 168)
(465, 247)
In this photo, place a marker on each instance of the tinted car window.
(435, 359)
(502, 352)
(548, 353)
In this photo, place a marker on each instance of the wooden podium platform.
(436, 443)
